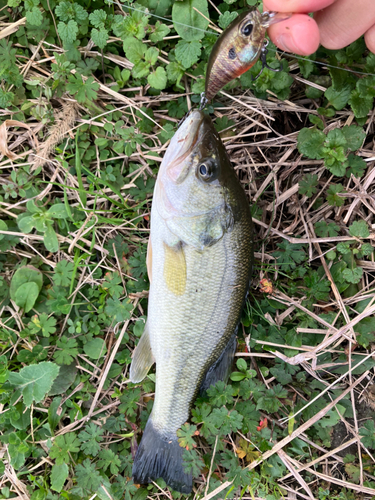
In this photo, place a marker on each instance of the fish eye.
(247, 29)
(205, 171)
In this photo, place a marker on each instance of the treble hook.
(263, 59)
(202, 105)
(203, 102)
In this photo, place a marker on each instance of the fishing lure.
(238, 48)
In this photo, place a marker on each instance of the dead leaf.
(3, 142)
(246, 449)
(266, 286)
(4, 137)
(262, 424)
(240, 452)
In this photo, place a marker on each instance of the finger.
(370, 38)
(343, 22)
(299, 34)
(296, 5)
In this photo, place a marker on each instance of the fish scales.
(211, 305)
(199, 262)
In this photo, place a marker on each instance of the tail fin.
(160, 457)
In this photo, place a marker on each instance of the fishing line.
(284, 54)
(301, 58)
(160, 17)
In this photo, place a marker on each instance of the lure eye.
(205, 171)
(247, 29)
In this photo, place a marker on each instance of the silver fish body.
(199, 263)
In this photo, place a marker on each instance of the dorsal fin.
(142, 358)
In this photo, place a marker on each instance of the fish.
(199, 262)
(238, 48)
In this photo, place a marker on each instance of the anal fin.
(142, 358)
(221, 368)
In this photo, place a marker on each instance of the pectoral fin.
(142, 358)
(175, 269)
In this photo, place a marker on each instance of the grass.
(79, 159)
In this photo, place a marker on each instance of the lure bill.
(199, 262)
(238, 48)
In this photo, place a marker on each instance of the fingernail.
(285, 42)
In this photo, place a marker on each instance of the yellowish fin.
(175, 269)
(142, 358)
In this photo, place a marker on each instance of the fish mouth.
(176, 164)
(182, 144)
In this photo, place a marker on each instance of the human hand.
(336, 24)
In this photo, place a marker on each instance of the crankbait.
(238, 48)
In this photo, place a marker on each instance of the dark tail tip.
(160, 457)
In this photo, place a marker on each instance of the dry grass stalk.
(104, 374)
(64, 122)
(323, 457)
(217, 490)
(340, 482)
(306, 425)
(12, 28)
(294, 472)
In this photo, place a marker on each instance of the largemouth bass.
(199, 262)
(238, 48)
